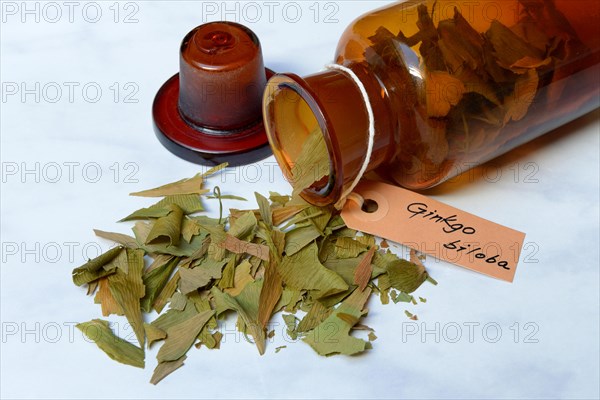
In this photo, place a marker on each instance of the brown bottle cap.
(211, 112)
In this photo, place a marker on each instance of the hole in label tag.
(369, 206)
(375, 206)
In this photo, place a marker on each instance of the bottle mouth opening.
(291, 116)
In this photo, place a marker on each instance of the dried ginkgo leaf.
(116, 348)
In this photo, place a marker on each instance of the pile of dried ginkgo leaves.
(286, 255)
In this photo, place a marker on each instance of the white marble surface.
(47, 220)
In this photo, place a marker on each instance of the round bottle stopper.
(211, 111)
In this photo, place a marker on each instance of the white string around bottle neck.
(371, 139)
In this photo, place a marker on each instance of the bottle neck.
(332, 103)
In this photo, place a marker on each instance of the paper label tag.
(437, 229)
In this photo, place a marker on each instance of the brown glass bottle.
(451, 84)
